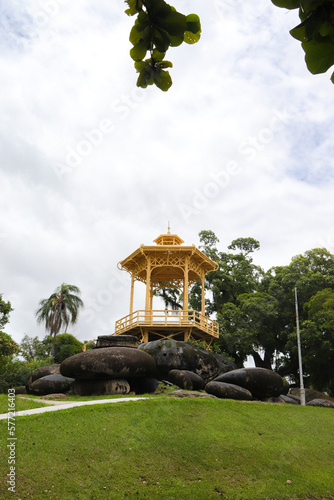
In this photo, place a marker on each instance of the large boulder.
(50, 384)
(261, 382)
(324, 403)
(117, 341)
(177, 355)
(108, 363)
(311, 394)
(186, 380)
(225, 364)
(228, 391)
(100, 387)
(41, 372)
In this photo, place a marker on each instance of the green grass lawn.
(175, 449)
(20, 404)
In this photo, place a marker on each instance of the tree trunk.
(262, 363)
(53, 348)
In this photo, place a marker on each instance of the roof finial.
(168, 228)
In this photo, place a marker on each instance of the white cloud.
(91, 166)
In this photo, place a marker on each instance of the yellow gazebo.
(168, 264)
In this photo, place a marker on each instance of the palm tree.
(59, 310)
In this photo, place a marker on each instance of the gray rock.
(51, 384)
(311, 394)
(225, 364)
(262, 383)
(45, 370)
(228, 391)
(275, 400)
(117, 341)
(109, 363)
(324, 403)
(55, 396)
(292, 396)
(290, 400)
(21, 390)
(186, 380)
(41, 372)
(100, 387)
(177, 355)
(190, 394)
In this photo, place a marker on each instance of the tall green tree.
(32, 349)
(249, 327)
(60, 310)
(8, 347)
(317, 342)
(235, 275)
(5, 310)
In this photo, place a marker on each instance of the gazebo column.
(203, 294)
(186, 285)
(132, 291)
(148, 289)
(151, 298)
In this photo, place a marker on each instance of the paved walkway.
(61, 405)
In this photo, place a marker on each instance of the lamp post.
(301, 380)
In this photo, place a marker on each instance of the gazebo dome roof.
(168, 259)
(168, 239)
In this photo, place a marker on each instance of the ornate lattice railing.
(167, 318)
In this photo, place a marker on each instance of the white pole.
(301, 381)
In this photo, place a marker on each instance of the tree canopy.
(256, 309)
(5, 310)
(158, 26)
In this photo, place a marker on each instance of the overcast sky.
(91, 166)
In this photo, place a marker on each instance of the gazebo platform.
(162, 324)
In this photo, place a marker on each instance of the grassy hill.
(174, 449)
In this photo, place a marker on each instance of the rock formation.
(178, 355)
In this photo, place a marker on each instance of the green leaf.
(142, 20)
(332, 78)
(319, 57)
(138, 52)
(309, 5)
(158, 8)
(175, 41)
(158, 56)
(175, 23)
(326, 29)
(193, 23)
(163, 80)
(135, 6)
(139, 65)
(160, 40)
(165, 64)
(145, 77)
(191, 38)
(137, 34)
(287, 4)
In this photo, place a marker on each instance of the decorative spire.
(168, 232)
